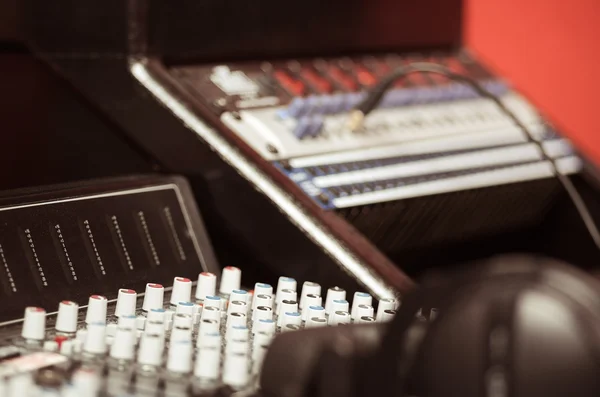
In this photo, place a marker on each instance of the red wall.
(550, 50)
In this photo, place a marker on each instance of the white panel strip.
(505, 136)
(262, 183)
(567, 165)
(483, 158)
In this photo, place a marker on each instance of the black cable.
(376, 95)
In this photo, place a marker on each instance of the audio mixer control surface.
(176, 341)
(428, 136)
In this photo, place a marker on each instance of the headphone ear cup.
(395, 361)
(383, 366)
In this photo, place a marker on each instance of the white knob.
(311, 300)
(212, 301)
(237, 307)
(386, 316)
(239, 295)
(49, 346)
(236, 319)
(182, 290)
(285, 295)
(335, 293)
(231, 278)
(85, 382)
(290, 318)
(123, 346)
(207, 285)
(315, 311)
(235, 370)
(208, 327)
(155, 327)
(363, 311)
(286, 306)
(284, 283)
(182, 320)
(126, 301)
(235, 346)
(340, 318)
(262, 339)
(185, 308)
(95, 340)
(262, 300)
(264, 325)
(211, 313)
(96, 310)
(314, 322)
(387, 304)
(237, 332)
(151, 349)
(208, 339)
(153, 297)
(339, 305)
(34, 323)
(262, 313)
(360, 298)
(179, 358)
(290, 327)
(128, 321)
(208, 363)
(258, 356)
(66, 319)
(263, 289)
(309, 288)
(366, 319)
(66, 348)
(157, 315)
(180, 334)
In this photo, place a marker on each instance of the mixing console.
(428, 136)
(191, 338)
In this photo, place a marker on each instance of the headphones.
(510, 326)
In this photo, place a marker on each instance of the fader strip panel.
(65, 242)
(184, 340)
(429, 135)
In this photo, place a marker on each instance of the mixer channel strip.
(350, 184)
(173, 341)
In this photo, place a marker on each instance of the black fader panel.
(68, 241)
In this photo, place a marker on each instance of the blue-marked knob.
(296, 107)
(316, 126)
(312, 105)
(303, 127)
(397, 97)
(327, 105)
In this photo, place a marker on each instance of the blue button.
(302, 128)
(316, 125)
(312, 105)
(328, 104)
(296, 107)
(337, 103)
